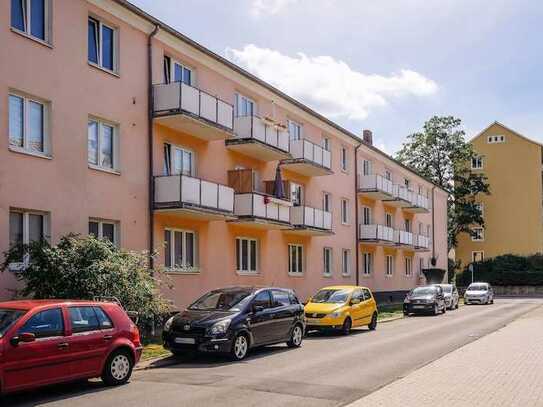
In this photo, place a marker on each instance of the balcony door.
(245, 106)
(296, 194)
(178, 160)
(366, 215)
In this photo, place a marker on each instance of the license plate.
(418, 306)
(185, 341)
(313, 321)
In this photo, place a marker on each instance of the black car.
(233, 320)
(427, 299)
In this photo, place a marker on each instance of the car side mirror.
(355, 301)
(24, 337)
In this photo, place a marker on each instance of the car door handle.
(108, 337)
(63, 345)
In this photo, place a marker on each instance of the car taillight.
(134, 331)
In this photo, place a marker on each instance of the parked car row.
(51, 341)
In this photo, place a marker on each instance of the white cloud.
(328, 85)
(261, 7)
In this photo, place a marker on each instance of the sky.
(386, 65)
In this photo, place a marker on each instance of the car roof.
(479, 283)
(342, 287)
(31, 304)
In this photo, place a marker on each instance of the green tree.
(440, 153)
(85, 268)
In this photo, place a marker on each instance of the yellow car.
(341, 307)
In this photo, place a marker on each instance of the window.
(477, 256)
(421, 266)
(244, 106)
(408, 266)
(389, 221)
(481, 208)
(180, 250)
(327, 261)
(246, 255)
(477, 163)
(326, 143)
(103, 319)
(26, 227)
(344, 161)
(366, 167)
(31, 17)
(106, 230)
(388, 175)
(326, 202)
(367, 294)
(294, 130)
(358, 295)
(407, 183)
(495, 139)
(178, 160)
(428, 230)
(262, 299)
(478, 234)
(28, 124)
(407, 223)
(102, 144)
(175, 71)
(389, 265)
(346, 262)
(102, 44)
(83, 319)
(366, 215)
(367, 263)
(280, 298)
(296, 194)
(45, 324)
(344, 211)
(295, 259)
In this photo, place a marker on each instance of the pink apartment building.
(115, 124)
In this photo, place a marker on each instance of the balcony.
(190, 110)
(404, 238)
(376, 235)
(419, 203)
(310, 221)
(421, 243)
(375, 187)
(401, 197)
(261, 211)
(260, 139)
(308, 159)
(193, 197)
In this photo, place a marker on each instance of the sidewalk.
(502, 369)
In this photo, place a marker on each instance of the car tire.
(347, 325)
(444, 309)
(372, 326)
(405, 313)
(492, 301)
(436, 309)
(118, 368)
(296, 337)
(240, 347)
(457, 304)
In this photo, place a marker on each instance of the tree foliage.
(85, 268)
(440, 153)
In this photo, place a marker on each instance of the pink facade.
(220, 231)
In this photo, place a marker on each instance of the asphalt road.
(327, 370)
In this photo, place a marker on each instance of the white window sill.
(248, 273)
(108, 170)
(296, 274)
(30, 37)
(179, 272)
(17, 267)
(113, 73)
(366, 275)
(327, 275)
(345, 275)
(20, 150)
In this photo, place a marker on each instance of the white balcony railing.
(375, 183)
(305, 216)
(401, 192)
(419, 201)
(172, 190)
(262, 206)
(253, 127)
(376, 232)
(421, 241)
(310, 151)
(404, 238)
(178, 96)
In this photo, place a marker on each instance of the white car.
(479, 293)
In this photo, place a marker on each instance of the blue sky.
(386, 65)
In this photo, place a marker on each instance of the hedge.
(504, 270)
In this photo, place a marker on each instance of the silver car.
(479, 293)
(451, 295)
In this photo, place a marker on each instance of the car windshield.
(424, 291)
(333, 296)
(222, 300)
(477, 287)
(447, 288)
(8, 318)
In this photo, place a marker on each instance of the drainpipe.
(150, 145)
(433, 260)
(357, 251)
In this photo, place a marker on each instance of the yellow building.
(513, 212)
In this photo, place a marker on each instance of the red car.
(51, 341)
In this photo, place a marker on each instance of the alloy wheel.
(297, 335)
(240, 347)
(120, 367)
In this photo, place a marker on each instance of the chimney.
(367, 137)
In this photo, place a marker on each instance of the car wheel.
(444, 308)
(118, 368)
(492, 300)
(296, 337)
(240, 347)
(347, 325)
(457, 304)
(436, 309)
(373, 324)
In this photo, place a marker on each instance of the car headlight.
(220, 327)
(335, 314)
(168, 325)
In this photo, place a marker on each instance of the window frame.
(327, 202)
(478, 161)
(49, 337)
(27, 21)
(474, 253)
(345, 211)
(298, 260)
(100, 22)
(239, 255)
(408, 266)
(25, 148)
(327, 252)
(388, 174)
(183, 150)
(116, 229)
(86, 331)
(367, 266)
(367, 216)
(344, 161)
(478, 234)
(238, 98)
(326, 143)
(389, 216)
(346, 262)
(299, 128)
(115, 145)
(389, 261)
(171, 70)
(183, 268)
(46, 233)
(366, 167)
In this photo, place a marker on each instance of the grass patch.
(154, 350)
(390, 311)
